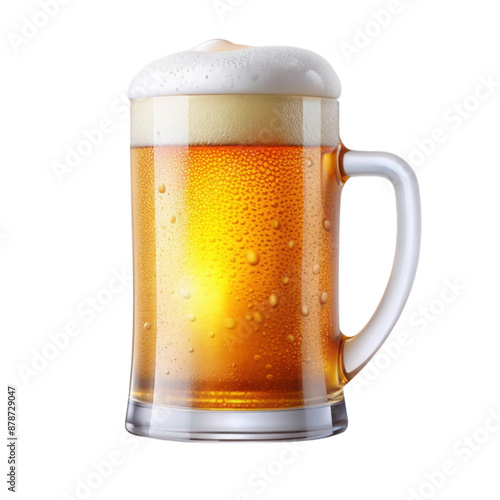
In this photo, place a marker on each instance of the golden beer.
(235, 257)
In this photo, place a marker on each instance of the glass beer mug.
(237, 172)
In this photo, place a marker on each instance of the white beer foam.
(234, 120)
(220, 67)
(219, 93)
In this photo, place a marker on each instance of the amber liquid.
(235, 264)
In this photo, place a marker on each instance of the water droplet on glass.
(307, 162)
(304, 310)
(269, 376)
(257, 317)
(323, 298)
(290, 338)
(173, 219)
(257, 357)
(268, 366)
(186, 293)
(191, 349)
(286, 280)
(211, 335)
(253, 257)
(229, 323)
(147, 326)
(161, 188)
(327, 225)
(192, 317)
(276, 224)
(273, 300)
(291, 244)
(316, 269)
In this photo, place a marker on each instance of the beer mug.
(237, 172)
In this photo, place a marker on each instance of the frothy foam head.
(220, 67)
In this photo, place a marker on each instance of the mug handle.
(358, 350)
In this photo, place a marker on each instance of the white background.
(61, 240)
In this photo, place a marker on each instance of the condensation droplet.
(304, 310)
(327, 225)
(323, 298)
(307, 162)
(173, 219)
(276, 224)
(253, 257)
(191, 317)
(257, 357)
(269, 376)
(238, 237)
(268, 366)
(291, 244)
(167, 372)
(248, 316)
(316, 269)
(147, 326)
(186, 293)
(161, 188)
(229, 323)
(273, 300)
(286, 280)
(290, 338)
(191, 349)
(257, 317)
(211, 335)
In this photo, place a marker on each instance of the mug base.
(186, 424)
